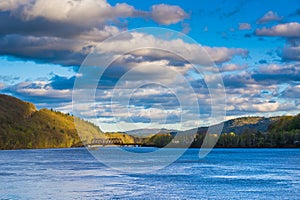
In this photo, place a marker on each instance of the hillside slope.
(148, 132)
(23, 126)
(240, 125)
(241, 132)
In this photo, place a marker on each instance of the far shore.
(83, 147)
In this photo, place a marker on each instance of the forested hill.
(255, 132)
(23, 126)
(246, 132)
(278, 132)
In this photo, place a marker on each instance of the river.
(222, 174)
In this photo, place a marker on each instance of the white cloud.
(291, 52)
(89, 12)
(248, 105)
(279, 69)
(50, 49)
(2, 85)
(292, 92)
(268, 17)
(245, 26)
(193, 52)
(223, 54)
(73, 11)
(167, 14)
(65, 31)
(38, 89)
(98, 35)
(266, 107)
(9, 5)
(291, 29)
(228, 67)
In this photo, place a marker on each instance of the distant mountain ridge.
(240, 125)
(244, 132)
(148, 132)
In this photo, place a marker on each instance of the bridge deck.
(98, 142)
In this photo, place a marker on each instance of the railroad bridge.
(106, 141)
(97, 142)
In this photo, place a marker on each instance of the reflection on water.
(223, 174)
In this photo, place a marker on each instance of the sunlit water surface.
(223, 174)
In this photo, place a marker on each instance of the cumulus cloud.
(264, 76)
(228, 67)
(245, 26)
(277, 74)
(11, 4)
(239, 80)
(261, 107)
(45, 49)
(262, 90)
(86, 11)
(72, 11)
(98, 35)
(92, 20)
(256, 98)
(65, 31)
(291, 51)
(223, 54)
(72, 51)
(269, 17)
(38, 90)
(135, 40)
(279, 69)
(292, 92)
(2, 85)
(167, 14)
(248, 100)
(291, 29)
(99, 11)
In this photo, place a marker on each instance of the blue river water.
(222, 174)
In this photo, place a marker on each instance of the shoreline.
(84, 147)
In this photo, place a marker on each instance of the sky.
(253, 49)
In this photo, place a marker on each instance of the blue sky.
(254, 44)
